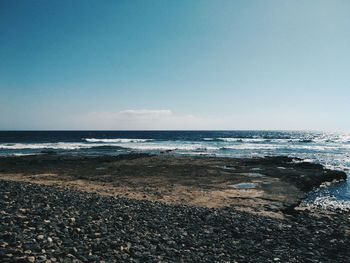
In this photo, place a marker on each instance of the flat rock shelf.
(199, 181)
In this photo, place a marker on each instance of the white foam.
(313, 147)
(242, 139)
(250, 146)
(170, 147)
(328, 203)
(24, 154)
(117, 140)
(332, 138)
(55, 146)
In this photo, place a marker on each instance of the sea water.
(329, 149)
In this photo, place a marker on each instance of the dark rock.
(124, 230)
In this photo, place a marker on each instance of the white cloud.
(144, 119)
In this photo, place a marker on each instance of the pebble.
(109, 229)
(40, 237)
(31, 259)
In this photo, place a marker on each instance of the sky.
(188, 65)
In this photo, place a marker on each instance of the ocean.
(329, 149)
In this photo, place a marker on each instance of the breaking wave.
(117, 140)
(170, 147)
(294, 138)
(53, 146)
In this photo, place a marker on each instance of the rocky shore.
(144, 208)
(49, 224)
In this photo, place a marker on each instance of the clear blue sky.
(175, 64)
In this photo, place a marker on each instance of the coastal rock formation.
(271, 184)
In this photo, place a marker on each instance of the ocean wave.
(320, 148)
(24, 154)
(306, 140)
(117, 140)
(331, 138)
(310, 138)
(146, 144)
(53, 146)
(251, 147)
(243, 139)
(258, 140)
(229, 139)
(171, 147)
